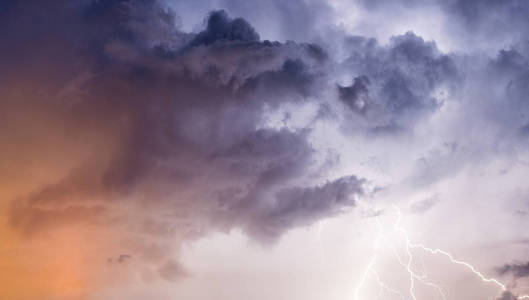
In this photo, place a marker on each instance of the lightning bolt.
(407, 264)
(371, 263)
(385, 288)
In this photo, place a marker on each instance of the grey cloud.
(441, 162)
(509, 61)
(299, 206)
(356, 96)
(474, 24)
(425, 205)
(221, 27)
(173, 122)
(374, 4)
(311, 16)
(403, 77)
(499, 16)
(503, 85)
(338, 194)
(172, 271)
(121, 259)
(518, 270)
(493, 92)
(507, 296)
(515, 67)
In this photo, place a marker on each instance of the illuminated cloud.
(133, 129)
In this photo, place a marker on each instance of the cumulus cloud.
(496, 17)
(356, 95)
(469, 25)
(143, 135)
(517, 270)
(310, 21)
(298, 206)
(397, 84)
(220, 27)
(507, 296)
(169, 121)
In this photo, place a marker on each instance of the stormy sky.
(230, 149)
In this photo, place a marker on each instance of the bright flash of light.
(407, 264)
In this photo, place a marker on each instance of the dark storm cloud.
(299, 206)
(131, 124)
(397, 84)
(502, 83)
(512, 67)
(185, 109)
(507, 296)
(311, 16)
(509, 61)
(170, 121)
(220, 27)
(356, 95)
(340, 193)
(517, 270)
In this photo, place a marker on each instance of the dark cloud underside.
(168, 120)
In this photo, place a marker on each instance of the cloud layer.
(124, 128)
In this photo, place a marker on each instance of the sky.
(230, 149)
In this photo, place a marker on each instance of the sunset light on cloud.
(229, 149)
